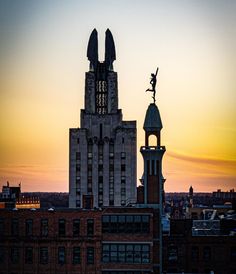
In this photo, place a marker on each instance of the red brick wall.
(53, 240)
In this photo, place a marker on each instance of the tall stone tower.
(153, 180)
(102, 168)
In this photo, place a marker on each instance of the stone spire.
(110, 51)
(92, 50)
(101, 92)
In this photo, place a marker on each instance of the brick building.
(108, 241)
(209, 250)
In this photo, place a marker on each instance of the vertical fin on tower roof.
(92, 50)
(110, 51)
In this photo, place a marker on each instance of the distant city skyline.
(43, 64)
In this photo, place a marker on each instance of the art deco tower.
(102, 169)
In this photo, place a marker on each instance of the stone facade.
(102, 167)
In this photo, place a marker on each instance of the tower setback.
(102, 164)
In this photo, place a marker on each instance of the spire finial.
(110, 51)
(92, 50)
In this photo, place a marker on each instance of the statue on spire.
(153, 83)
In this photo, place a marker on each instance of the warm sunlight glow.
(43, 65)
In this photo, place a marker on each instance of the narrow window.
(90, 255)
(76, 255)
(113, 253)
(137, 223)
(76, 227)
(153, 167)
(145, 224)
(14, 227)
(129, 223)
(78, 155)
(90, 227)
(129, 254)
(43, 255)
(61, 255)
(233, 253)
(106, 253)
(28, 255)
(123, 155)
(62, 227)
(111, 200)
(172, 253)
(2, 254)
(88, 202)
(100, 131)
(207, 253)
(113, 224)
(15, 255)
(137, 253)
(145, 254)
(121, 253)
(148, 167)
(29, 227)
(44, 227)
(195, 253)
(121, 224)
(2, 227)
(122, 167)
(105, 224)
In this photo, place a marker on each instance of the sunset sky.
(42, 71)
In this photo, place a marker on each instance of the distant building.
(11, 197)
(200, 247)
(10, 192)
(28, 202)
(102, 168)
(224, 194)
(190, 196)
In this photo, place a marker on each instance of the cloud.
(231, 163)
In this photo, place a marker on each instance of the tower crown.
(152, 120)
(152, 124)
(110, 51)
(101, 92)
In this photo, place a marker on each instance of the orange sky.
(43, 62)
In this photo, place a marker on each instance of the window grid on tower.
(111, 173)
(100, 174)
(78, 182)
(101, 97)
(89, 166)
(123, 190)
(123, 181)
